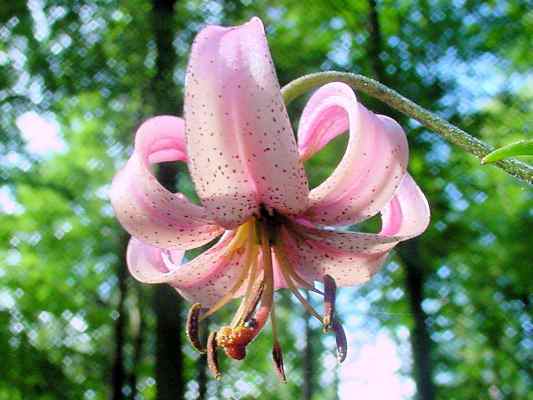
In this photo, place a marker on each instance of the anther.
(277, 357)
(212, 359)
(330, 290)
(192, 327)
(340, 338)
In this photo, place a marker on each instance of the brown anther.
(277, 357)
(330, 291)
(192, 327)
(340, 338)
(212, 359)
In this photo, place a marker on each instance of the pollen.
(239, 336)
(234, 340)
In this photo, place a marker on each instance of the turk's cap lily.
(247, 168)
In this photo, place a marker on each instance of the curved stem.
(395, 100)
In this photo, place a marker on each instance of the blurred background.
(448, 317)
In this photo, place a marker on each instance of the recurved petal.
(353, 257)
(239, 137)
(322, 120)
(144, 207)
(147, 263)
(407, 215)
(205, 279)
(372, 167)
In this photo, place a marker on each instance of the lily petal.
(407, 215)
(239, 136)
(144, 207)
(353, 257)
(372, 167)
(319, 124)
(205, 279)
(314, 260)
(147, 264)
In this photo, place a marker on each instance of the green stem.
(395, 100)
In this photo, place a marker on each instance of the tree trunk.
(201, 366)
(420, 340)
(138, 343)
(409, 251)
(167, 304)
(168, 357)
(375, 41)
(118, 374)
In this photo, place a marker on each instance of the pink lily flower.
(247, 168)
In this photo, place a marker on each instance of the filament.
(249, 256)
(286, 275)
(268, 280)
(241, 235)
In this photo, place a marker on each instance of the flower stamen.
(260, 238)
(250, 257)
(267, 295)
(277, 353)
(301, 281)
(241, 236)
(249, 303)
(212, 359)
(285, 268)
(340, 339)
(330, 290)
(277, 357)
(192, 328)
(235, 338)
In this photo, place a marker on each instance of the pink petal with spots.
(372, 167)
(353, 257)
(239, 137)
(205, 279)
(145, 208)
(356, 242)
(314, 260)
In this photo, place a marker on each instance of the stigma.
(259, 239)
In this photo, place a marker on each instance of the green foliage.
(522, 148)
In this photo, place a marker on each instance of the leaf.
(522, 148)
